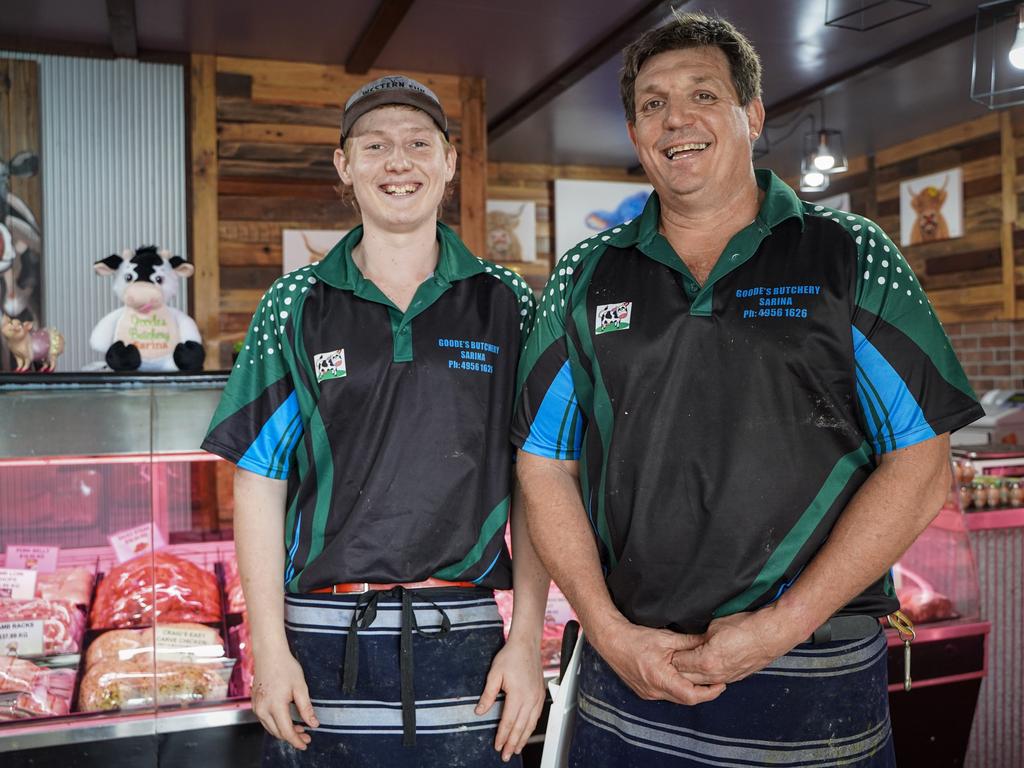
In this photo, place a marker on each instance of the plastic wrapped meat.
(246, 666)
(233, 587)
(921, 606)
(27, 690)
(71, 584)
(63, 622)
(133, 683)
(181, 591)
(118, 644)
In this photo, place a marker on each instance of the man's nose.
(678, 113)
(397, 160)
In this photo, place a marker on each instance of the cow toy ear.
(109, 265)
(181, 267)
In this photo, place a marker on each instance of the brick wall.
(992, 353)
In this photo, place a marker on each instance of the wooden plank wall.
(536, 183)
(263, 134)
(979, 276)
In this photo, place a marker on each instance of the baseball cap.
(392, 89)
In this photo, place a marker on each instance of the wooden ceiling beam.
(574, 70)
(375, 37)
(123, 36)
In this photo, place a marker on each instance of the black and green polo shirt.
(390, 428)
(722, 429)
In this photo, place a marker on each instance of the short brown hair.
(692, 30)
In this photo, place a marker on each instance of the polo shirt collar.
(780, 203)
(455, 262)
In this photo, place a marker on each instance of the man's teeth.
(690, 147)
(399, 189)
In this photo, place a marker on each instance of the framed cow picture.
(300, 247)
(511, 231)
(584, 208)
(932, 208)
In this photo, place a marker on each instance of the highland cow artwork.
(300, 247)
(511, 231)
(931, 208)
(584, 209)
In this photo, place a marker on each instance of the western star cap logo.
(330, 365)
(613, 317)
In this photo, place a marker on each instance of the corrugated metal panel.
(113, 164)
(997, 739)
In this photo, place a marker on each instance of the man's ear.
(451, 158)
(341, 165)
(755, 117)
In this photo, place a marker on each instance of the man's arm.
(259, 541)
(899, 500)
(561, 533)
(517, 667)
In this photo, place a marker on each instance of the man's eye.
(374, 147)
(652, 104)
(420, 144)
(705, 96)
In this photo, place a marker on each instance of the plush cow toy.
(147, 334)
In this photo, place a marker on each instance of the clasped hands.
(692, 669)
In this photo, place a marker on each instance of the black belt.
(853, 627)
(363, 614)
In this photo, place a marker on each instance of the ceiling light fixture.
(1016, 55)
(862, 15)
(997, 57)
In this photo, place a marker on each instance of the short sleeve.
(257, 424)
(548, 421)
(910, 385)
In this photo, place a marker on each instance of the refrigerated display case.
(991, 481)
(123, 641)
(937, 584)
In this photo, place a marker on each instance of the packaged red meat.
(180, 590)
(245, 669)
(28, 690)
(175, 641)
(919, 600)
(71, 584)
(136, 682)
(63, 622)
(233, 587)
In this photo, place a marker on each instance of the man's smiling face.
(397, 163)
(691, 134)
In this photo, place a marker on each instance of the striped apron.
(819, 705)
(394, 678)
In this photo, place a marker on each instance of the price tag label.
(32, 558)
(21, 638)
(132, 542)
(17, 583)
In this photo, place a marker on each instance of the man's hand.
(277, 682)
(735, 647)
(516, 670)
(642, 658)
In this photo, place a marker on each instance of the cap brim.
(387, 98)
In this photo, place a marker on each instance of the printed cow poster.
(511, 231)
(300, 247)
(932, 208)
(21, 198)
(584, 208)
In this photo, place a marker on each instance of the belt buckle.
(365, 588)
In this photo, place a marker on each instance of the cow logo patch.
(330, 365)
(613, 317)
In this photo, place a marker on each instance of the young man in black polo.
(368, 414)
(734, 419)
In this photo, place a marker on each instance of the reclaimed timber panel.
(203, 171)
(473, 166)
(1009, 211)
(957, 134)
